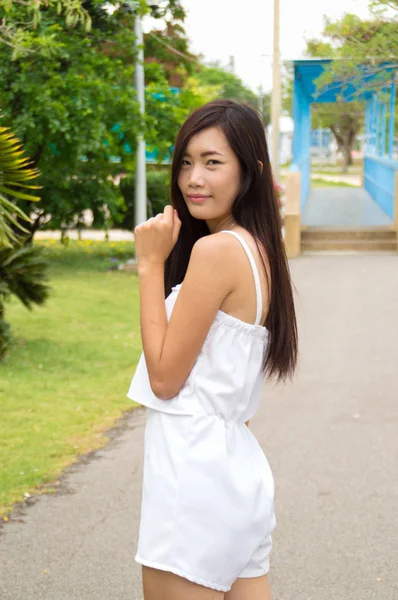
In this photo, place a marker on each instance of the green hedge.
(158, 193)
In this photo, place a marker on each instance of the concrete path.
(331, 438)
(343, 207)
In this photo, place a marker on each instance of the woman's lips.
(198, 199)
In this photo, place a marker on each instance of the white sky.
(219, 29)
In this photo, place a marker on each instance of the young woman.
(227, 323)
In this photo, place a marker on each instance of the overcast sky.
(219, 29)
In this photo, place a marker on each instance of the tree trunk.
(34, 226)
(345, 144)
(347, 158)
(31, 226)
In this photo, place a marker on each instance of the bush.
(158, 193)
(23, 274)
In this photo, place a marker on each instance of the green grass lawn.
(355, 170)
(65, 378)
(323, 183)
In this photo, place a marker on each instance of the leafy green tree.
(287, 88)
(167, 50)
(219, 83)
(73, 105)
(26, 35)
(371, 42)
(353, 44)
(64, 103)
(365, 47)
(266, 108)
(344, 119)
(168, 60)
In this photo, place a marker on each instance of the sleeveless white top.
(227, 377)
(208, 492)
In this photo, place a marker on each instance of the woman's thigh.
(253, 588)
(162, 585)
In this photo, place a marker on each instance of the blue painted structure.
(379, 164)
(320, 139)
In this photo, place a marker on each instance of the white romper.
(208, 493)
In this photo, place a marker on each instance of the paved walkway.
(343, 207)
(331, 439)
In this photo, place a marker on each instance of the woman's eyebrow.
(203, 154)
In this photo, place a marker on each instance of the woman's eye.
(211, 162)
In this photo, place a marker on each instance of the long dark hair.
(255, 209)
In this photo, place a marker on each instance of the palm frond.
(15, 170)
(23, 273)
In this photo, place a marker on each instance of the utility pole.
(140, 178)
(276, 93)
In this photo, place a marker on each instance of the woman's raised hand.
(156, 238)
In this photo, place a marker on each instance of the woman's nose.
(196, 176)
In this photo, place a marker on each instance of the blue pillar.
(297, 121)
(368, 125)
(377, 126)
(302, 136)
(383, 126)
(306, 152)
(391, 121)
(374, 137)
(373, 125)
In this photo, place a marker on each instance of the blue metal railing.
(379, 181)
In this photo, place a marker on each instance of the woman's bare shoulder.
(216, 248)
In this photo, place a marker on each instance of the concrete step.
(358, 245)
(334, 234)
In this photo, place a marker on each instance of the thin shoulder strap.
(256, 276)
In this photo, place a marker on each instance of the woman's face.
(210, 176)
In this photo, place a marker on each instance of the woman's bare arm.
(171, 348)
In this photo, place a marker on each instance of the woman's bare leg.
(162, 585)
(254, 588)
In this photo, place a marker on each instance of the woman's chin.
(200, 212)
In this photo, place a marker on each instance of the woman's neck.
(215, 226)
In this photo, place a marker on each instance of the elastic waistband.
(219, 416)
(226, 419)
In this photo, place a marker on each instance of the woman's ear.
(260, 164)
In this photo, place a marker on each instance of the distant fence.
(380, 181)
